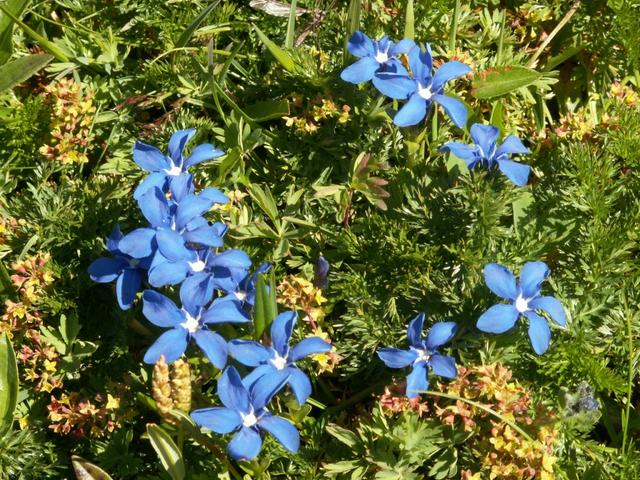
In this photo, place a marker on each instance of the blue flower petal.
(190, 207)
(196, 291)
(264, 389)
(153, 180)
(245, 445)
(149, 157)
(281, 329)
(300, 384)
(360, 45)
(249, 353)
(127, 287)
(105, 270)
(160, 310)
(403, 46)
(411, 112)
(217, 419)
(414, 331)
(309, 346)
(206, 235)
(257, 373)
(498, 319)
(168, 273)
(232, 393)
(153, 205)
(171, 245)
(181, 186)
(177, 143)
(215, 195)
(114, 239)
(454, 108)
(485, 136)
(394, 86)
(361, 71)
(443, 365)
(531, 277)
(202, 153)
(518, 173)
(539, 332)
(417, 380)
(138, 244)
(447, 72)
(421, 64)
(232, 259)
(440, 333)
(396, 358)
(552, 306)
(171, 344)
(213, 346)
(225, 311)
(500, 281)
(468, 153)
(511, 145)
(283, 430)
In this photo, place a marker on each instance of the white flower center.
(197, 266)
(174, 170)
(279, 362)
(422, 355)
(425, 92)
(249, 420)
(522, 305)
(241, 295)
(191, 323)
(381, 56)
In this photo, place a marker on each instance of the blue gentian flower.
(423, 88)
(239, 284)
(128, 272)
(186, 323)
(164, 168)
(422, 355)
(526, 299)
(485, 152)
(321, 272)
(279, 357)
(244, 412)
(375, 56)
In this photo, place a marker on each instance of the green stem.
(625, 424)
(454, 27)
(485, 408)
(554, 32)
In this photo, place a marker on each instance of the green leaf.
(267, 110)
(261, 309)
(86, 470)
(327, 190)
(44, 43)
(265, 201)
(291, 25)
(8, 382)
(22, 68)
(520, 206)
(566, 54)
(6, 286)
(16, 7)
(194, 25)
(167, 451)
(409, 29)
(499, 81)
(343, 435)
(279, 54)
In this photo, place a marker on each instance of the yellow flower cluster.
(71, 122)
(625, 94)
(171, 390)
(315, 112)
(40, 360)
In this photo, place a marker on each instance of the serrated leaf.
(8, 382)
(282, 56)
(499, 81)
(21, 69)
(167, 451)
(86, 470)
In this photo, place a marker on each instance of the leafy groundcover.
(365, 239)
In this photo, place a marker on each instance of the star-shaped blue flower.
(422, 355)
(486, 152)
(165, 168)
(375, 56)
(244, 412)
(128, 272)
(279, 357)
(423, 88)
(526, 299)
(186, 323)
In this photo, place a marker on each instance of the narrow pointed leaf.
(167, 451)
(8, 383)
(6, 28)
(499, 81)
(279, 54)
(291, 25)
(261, 308)
(21, 69)
(86, 470)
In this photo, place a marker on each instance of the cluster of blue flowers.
(380, 61)
(179, 246)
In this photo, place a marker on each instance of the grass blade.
(409, 21)
(194, 25)
(291, 25)
(280, 55)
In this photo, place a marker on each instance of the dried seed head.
(161, 389)
(181, 385)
